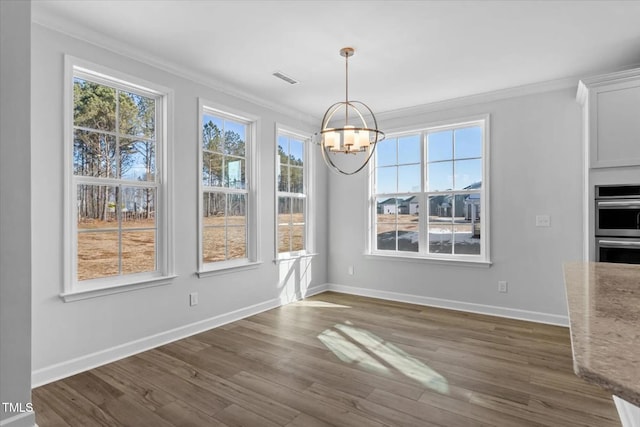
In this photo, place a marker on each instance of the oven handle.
(635, 203)
(617, 244)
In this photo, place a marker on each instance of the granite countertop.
(604, 314)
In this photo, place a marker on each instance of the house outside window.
(116, 191)
(292, 193)
(430, 192)
(228, 228)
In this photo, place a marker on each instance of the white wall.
(15, 243)
(536, 168)
(74, 336)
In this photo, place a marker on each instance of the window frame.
(484, 258)
(307, 194)
(77, 290)
(252, 260)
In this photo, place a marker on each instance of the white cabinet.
(611, 132)
(612, 116)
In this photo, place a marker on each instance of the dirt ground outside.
(401, 233)
(99, 243)
(99, 248)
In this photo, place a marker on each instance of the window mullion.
(119, 217)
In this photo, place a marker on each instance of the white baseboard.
(492, 310)
(93, 360)
(25, 419)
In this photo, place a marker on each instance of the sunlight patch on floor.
(349, 352)
(355, 345)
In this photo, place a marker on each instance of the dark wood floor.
(340, 360)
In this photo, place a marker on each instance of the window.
(227, 220)
(116, 195)
(430, 193)
(292, 183)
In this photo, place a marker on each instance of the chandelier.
(348, 132)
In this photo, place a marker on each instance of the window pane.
(98, 254)
(297, 179)
(284, 238)
(235, 172)
(283, 178)
(212, 133)
(213, 244)
(214, 206)
(386, 152)
(236, 209)
(98, 243)
(234, 138)
(386, 236)
(387, 209)
(409, 179)
(136, 115)
(236, 242)
(297, 241)
(408, 224)
(440, 176)
(212, 169)
(440, 223)
(97, 206)
(468, 142)
(137, 160)
(297, 211)
(137, 207)
(296, 152)
(284, 210)
(468, 174)
(283, 149)
(440, 239)
(409, 149)
(94, 154)
(94, 105)
(138, 251)
(467, 224)
(440, 146)
(387, 180)
(408, 237)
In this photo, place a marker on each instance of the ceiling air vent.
(283, 76)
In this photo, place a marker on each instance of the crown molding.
(587, 83)
(480, 98)
(617, 76)
(71, 28)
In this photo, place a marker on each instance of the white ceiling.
(408, 53)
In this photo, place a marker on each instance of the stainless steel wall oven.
(618, 223)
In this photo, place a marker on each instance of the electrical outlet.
(543, 221)
(350, 270)
(502, 286)
(193, 298)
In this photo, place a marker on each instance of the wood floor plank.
(365, 407)
(333, 414)
(178, 413)
(226, 390)
(341, 360)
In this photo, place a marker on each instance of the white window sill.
(430, 260)
(293, 256)
(227, 267)
(82, 294)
